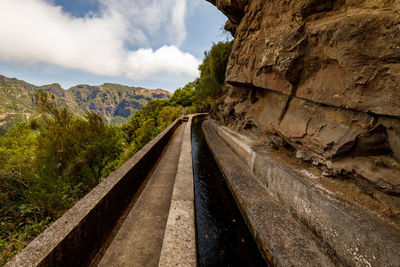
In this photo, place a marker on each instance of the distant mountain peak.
(115, 102)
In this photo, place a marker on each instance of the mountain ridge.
(115, 102)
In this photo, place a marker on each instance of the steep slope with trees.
(114, 102)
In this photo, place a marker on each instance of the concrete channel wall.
(350, 231)
(179, 246)
(75, 238)
(282, 240)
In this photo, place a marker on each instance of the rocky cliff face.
(319, 77)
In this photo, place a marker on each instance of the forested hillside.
(49, 162)
(114, 102)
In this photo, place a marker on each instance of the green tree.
(185, 96)
(17, 150)
(72, 155)
(168, 115)
(20, 218)
(212, 70)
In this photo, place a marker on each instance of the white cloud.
(153, 17)
(146, 60)
(37, 31)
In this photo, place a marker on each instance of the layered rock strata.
(322, 77)
(320, 82)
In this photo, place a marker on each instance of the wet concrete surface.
(179, 246)
(140, 238)
(222, 234)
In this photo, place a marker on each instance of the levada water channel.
(223, 238)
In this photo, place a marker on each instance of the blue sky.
(152, 43)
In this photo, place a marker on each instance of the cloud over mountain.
(39, 31)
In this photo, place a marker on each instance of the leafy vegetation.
(50, 162)
(200, 94)
(46, 166)
(10, 120)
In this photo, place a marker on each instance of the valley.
(114, 102)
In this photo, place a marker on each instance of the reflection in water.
(222, 235)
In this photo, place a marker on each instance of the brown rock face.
(320, 76)
(336, 53)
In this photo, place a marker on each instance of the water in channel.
(223, 238)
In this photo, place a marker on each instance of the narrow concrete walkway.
(140, 238)
(179, 247)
